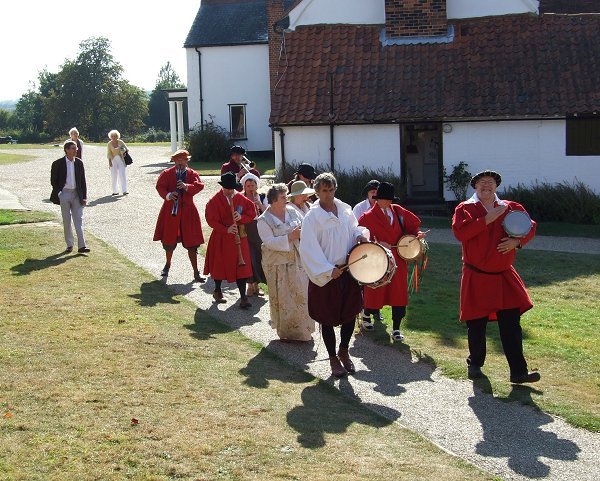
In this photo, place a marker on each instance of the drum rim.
(388, 272)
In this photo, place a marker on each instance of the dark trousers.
(511, 335)
(398, 313)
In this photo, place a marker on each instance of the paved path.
(508, 439)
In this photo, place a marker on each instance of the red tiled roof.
(502, 67)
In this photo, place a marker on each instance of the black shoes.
(165, 271)
(83, 249)
(533, 376)
(245, 303)
(198, 277)
(69, 249)
(474, 372)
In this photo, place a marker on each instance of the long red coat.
(221, 260)
(185, 226)
(498, 287)
(396, 292)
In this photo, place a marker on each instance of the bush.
(210, 144)
(563, 202)
(351, 182)
(153, 135)
(458, 181)
(27, 136)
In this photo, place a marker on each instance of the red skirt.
(337, 302)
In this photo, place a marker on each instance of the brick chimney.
(415, 18)
(274, 13)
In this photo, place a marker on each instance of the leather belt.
(473, 268)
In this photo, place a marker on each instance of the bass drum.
(376, 269)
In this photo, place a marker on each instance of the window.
(583, 135)
(237, 121)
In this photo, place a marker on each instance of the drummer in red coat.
(222, 256)
(490, 287)
(178, 220)
(387, 223)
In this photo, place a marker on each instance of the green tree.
(6, 120)
(90, 92)
(158, 105)
(28, 112)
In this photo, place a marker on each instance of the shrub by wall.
(210, 144)
(563, 202)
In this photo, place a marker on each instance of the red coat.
(498, 287)
(221, 260)
(231, 166)
(185, 226)
(396, 292)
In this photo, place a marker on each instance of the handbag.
(127, 158)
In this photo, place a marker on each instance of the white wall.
(370, 146)
(232, 75)
(315, 12)
(522, 152)
(485, 8)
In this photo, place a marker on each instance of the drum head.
(409, 247)
(373, 267)
(517, 224)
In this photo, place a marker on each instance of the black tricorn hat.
(385, 191)
(371, 185)
(228, 181)
(237, 149)
(486, 173)
(307, 171)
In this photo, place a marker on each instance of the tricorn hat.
(299, 188)
(385, 191)
(237, 149)
(228, 181)
(180, 154)
(307, 170)
(371, 185)
(486, 173)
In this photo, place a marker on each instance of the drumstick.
(343, 268)
(425, 232)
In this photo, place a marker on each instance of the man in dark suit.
(69, 189)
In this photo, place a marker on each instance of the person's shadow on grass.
(206, 327)
(323, 410)
(30, 265)
(107, 199)
(268, 366)
(512, 430)
(155, 292)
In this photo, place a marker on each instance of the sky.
(144, 35)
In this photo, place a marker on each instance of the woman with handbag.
(115, 153)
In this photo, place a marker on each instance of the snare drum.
(377, 269)
(411, 248)
(517, 223)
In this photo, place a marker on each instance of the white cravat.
(388, 211)
(70, 183)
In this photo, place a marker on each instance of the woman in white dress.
(279, 229)
(115, 151)
(298, 197)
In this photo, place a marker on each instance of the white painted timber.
(351, 12)
(522, 152)
(489, 8)
(232, 75)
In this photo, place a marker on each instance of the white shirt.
(70, 183)
(326, 240)
(361, 208)
(274, 233)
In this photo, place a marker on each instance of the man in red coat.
(178, 220)
(387, 223)
(490, 287)
(235, 165)
(228, 251)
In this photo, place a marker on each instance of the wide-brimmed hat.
(307, 170)
(180, 154)
(486, 173)
(385, 191)
(237, 149)
(228, 181)
(371, 185)
(299, 188)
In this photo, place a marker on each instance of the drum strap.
(473, 268)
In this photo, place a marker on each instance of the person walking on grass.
(69, 190)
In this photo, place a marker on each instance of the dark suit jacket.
(58, 178)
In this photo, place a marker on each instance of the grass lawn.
(560, 332)
(106, 374)
(23, 216)
(543, 228)
(25, 146)
(14, 158)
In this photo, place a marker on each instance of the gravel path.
(507, 439)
